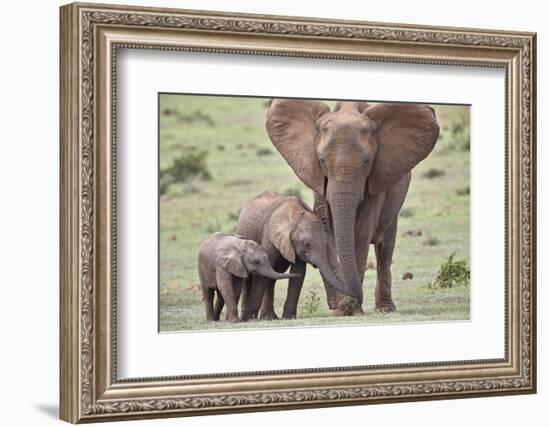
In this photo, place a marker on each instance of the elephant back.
(256, 212)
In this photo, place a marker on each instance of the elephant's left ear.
(407, 133)
(231, 261)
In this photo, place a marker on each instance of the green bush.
(457, 137)
(451, 273)
(312, 303)
(406, 213)
(264, 152)
(432, 241)
(463, 191)
(187, 167)
(233, 216)
(433, 173)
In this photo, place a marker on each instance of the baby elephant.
(292, 235)
(224, 260)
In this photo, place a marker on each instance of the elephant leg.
(247, 283)
(267, 309)
(384, 254)
(225, 287)
(238, 285)
(218, 306)
(294, 288)
(254, 298)
(208, 298)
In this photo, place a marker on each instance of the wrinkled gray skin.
(292, 235)
(224, 261)
(357, 159)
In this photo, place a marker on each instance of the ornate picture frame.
(90, 37)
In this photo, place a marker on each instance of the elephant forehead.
(347, 119)
(309, 222)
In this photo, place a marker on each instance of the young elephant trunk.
(333, 280)
(267, 271)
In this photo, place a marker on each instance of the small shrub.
(463, 191)
(233, 216)
(312, 303)
(264, 152)
(457, 136)
(415, 232)
(169, 112)
(188, 167)
(432, 241)
(213, 227)
(221, 147)
(451, 273)
(406, 213)
(163, 186)
(293, 192)
(196, 116)
(240, 146)
(433, 173)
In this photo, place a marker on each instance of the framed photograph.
(266, 213)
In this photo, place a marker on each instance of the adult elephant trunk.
(267, 271)
(343, 202)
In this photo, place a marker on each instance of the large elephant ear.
(291, 126)
(281, 224)
(230, 259)
(406, 135)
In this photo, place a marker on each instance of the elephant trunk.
(343, 202)
(267, 271)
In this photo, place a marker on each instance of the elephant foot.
(289, 315)
(268, 315)
(247, 315)
(232, 318)
(347, 306)
(385, 306)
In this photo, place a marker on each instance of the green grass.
(190, 211)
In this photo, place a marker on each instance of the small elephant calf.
(223, 261)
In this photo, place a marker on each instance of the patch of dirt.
(195, 287)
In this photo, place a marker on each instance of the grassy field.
(219, 148)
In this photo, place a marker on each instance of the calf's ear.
(230, 259)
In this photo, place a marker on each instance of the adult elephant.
(357, 159)
(292, 235)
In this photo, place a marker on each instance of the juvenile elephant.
(357, 159)
(223, 262)
(291, 234)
